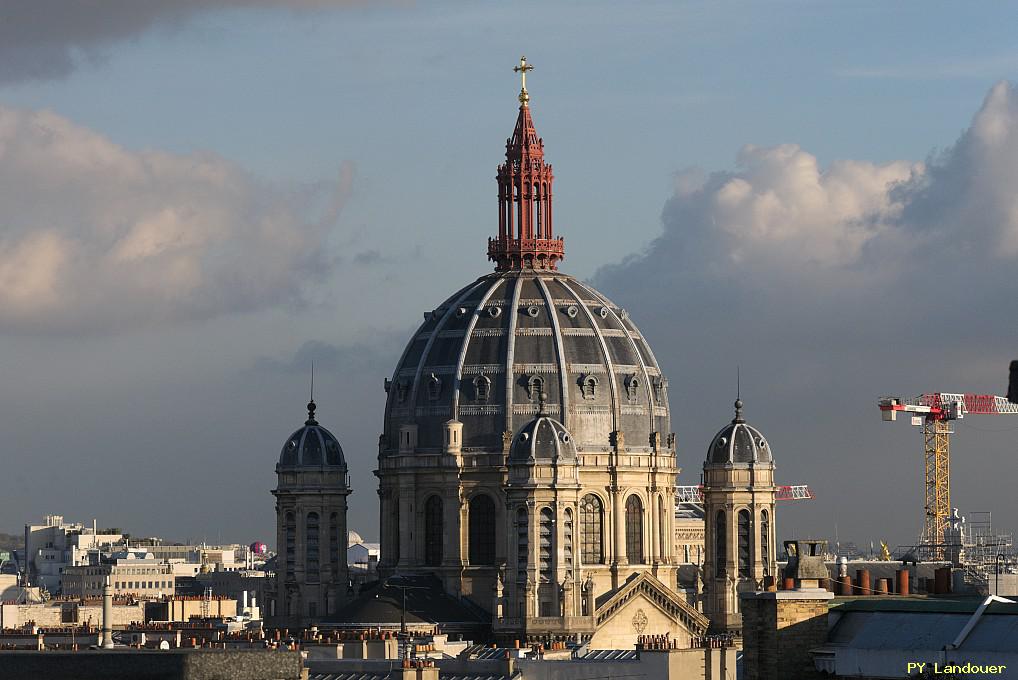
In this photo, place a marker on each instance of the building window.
(535, 387)
(434, 387)
(335, 539)
(745, 538)
(567, 539)
(433, 532)
(632, 388)
(290, 531)
(588, 386)
(547, 547)
(522, 545)
(482, 388)
(394, 526)
(311, 563)
(592, 518)
(720, 538)
(765, 542)
(482, 530)
(634, 530)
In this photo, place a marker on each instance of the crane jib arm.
(948, 405)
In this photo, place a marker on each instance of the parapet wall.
(152, 665)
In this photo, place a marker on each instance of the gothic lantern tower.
(311, 535)
(528, 391)
(738, 490)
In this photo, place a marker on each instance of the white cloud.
(93, 235)
(832, 286)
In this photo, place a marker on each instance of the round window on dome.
(722, 442)
(603, 312)
(563, 437)
(494, 312)
(533, 310)
(461, 312)
(572, 311)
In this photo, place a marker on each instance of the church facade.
(526, 468)
(527, 458)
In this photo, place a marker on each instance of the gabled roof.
(658, 594)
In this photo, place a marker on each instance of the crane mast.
(934, 412)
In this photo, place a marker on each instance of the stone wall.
(152, 665)
(52, 614)
(779, 630)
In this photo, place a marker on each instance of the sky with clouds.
(199, 198)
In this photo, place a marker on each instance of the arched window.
(311, 544)
(765, 541)
(394, 526)
(482, 387)
(588, 386)
(567, 539)
(592, 519)
(546, 556)
(522, 545)
(290, 530)
(433, 532)
(482, 530)
(745, 540)
(536, 203)
(434, 387)
(634, 530)
(632, 388)
(535, 387)
(335, 541)
(720, 539)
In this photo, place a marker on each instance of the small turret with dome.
(739, 544)
(312, 446)
(543, 440)
(738, 443)
(311, 535)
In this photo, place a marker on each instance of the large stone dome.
(485, 354)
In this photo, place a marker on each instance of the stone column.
(406, 525)
(619, 520)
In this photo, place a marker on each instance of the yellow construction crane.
(934, 412)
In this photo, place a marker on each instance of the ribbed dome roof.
(738, 442)
(543, 439)
(312, 446)
(484, 354)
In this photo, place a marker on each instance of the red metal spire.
(525, 236)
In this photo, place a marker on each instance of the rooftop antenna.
(738, 396)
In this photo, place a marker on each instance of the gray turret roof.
(738, 443)
(312, 446)
(543, 439)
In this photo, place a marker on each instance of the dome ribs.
(560, 353)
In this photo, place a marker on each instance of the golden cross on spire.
(522, 69)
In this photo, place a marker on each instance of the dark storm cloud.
(47, 38)
(832, 287)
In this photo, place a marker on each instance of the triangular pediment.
(646, 587)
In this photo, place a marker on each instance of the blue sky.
(363, 138)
